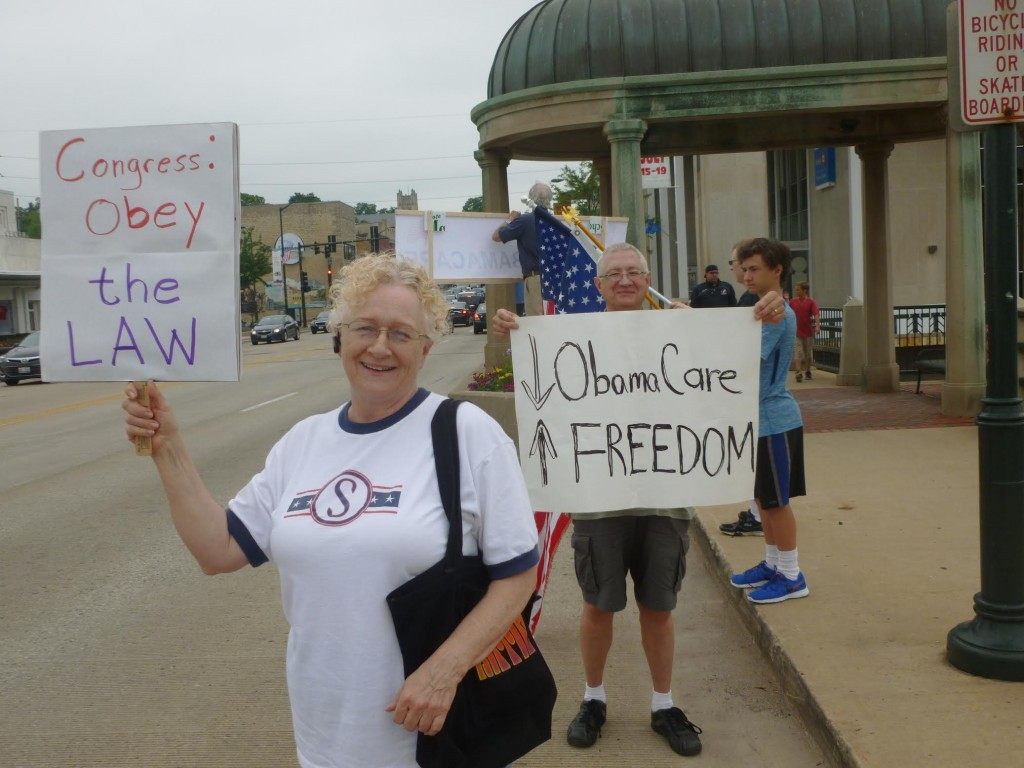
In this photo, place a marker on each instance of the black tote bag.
(502, 708)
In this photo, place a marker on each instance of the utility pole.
(284, 274)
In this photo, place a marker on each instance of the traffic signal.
(330, 273)
(374, 239)
(332, 244)
(304, 282)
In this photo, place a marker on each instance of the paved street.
(116, 651)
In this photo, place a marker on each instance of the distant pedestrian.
(806, 310)
(779, 474)
(712, 292)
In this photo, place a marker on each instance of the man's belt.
(531, 273)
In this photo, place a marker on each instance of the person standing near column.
(779, 472)
(712, 292)
(806, 310)
(523, 229)
(748, 523)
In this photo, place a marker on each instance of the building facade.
(20, 265)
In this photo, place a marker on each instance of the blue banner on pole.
(824, 167)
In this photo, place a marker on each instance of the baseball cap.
(710, 268)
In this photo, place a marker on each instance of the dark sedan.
(274, 328)
(480, 319)
(473, 299)
(319, 325)
(459, 313)
(22, 362)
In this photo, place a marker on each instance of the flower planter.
(501, 406)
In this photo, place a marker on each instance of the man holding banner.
(650, 544)
(523, 229)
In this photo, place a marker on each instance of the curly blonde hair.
(359, 279)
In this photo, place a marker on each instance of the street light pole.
(992, 644)
(284, 274)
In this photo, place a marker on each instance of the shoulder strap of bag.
(445, 437)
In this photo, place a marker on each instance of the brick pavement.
(839, 409)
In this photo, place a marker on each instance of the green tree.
(307, 197)
(29, 223)
(474, 204)
(362, 209)
(578, 187)
(248, 199)
(253, 262)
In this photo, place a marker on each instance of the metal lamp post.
(284, 273)
(992, 644)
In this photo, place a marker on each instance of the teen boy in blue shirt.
(779, 474)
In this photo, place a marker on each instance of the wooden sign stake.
(143, 443)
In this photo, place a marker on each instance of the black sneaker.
(680, 732)
(807, 374)
(586, 726)
(746, 524)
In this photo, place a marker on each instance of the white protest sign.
(140, 253)
(991, 61)
(653, 409)
(458, 246)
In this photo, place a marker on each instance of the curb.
(825, 733)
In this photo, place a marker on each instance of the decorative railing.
(917, 327)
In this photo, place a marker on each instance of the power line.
(343, 183)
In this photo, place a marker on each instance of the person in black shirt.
(712, 292)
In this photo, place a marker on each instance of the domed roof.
(559, 41)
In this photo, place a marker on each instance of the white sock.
(788, 563)
(595, 694)
(771, 556)
(661, 701)
(754, 512)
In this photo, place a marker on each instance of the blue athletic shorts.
(779, 475)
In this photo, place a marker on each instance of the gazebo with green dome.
(611, 80)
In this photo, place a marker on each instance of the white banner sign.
(653, 409)
(140, 253)
(455, 246)
(655, 172)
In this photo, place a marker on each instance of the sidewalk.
(889, 542)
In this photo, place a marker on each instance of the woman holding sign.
(348, 508)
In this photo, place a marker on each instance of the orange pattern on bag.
(513, 649)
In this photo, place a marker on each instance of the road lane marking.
(268, 402)
(70, 407)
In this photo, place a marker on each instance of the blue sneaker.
(753, 577)
(780, 588)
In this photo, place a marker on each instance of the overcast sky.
(349, 100)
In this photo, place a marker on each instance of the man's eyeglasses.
(368, 333)
(616, 275)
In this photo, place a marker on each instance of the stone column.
(494, 168)
(625, 136)
(881, 374)
(965, 296)
(603, 169)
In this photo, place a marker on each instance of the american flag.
(567, 267)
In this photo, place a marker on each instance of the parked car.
(319, 324)
(274, 328)
(22, 362)
(459, 313)
(480, 319)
